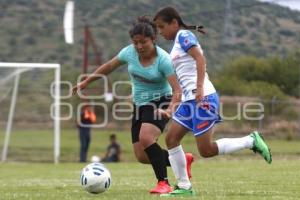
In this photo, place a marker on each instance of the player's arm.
(119, 153)
(176, 98)
(104, 69)
(106, 153)
(195, 52)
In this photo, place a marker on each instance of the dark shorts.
(145, 114)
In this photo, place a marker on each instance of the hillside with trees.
(252, 49)
(31, 31)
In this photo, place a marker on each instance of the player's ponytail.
(200, 29)
(167, 14)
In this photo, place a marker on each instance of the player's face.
(167, 30)
(143, 45)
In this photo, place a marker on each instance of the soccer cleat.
(162, 187)
(189, 159)
(179, 192)
(261, 147)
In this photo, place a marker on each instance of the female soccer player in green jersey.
(151, 74)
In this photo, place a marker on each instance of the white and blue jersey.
(196, 118)
(185, 65)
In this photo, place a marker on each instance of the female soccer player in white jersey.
(199, 109)
(151, 74)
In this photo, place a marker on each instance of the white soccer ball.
(95, 178)
(95, 159)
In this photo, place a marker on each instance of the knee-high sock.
(166, 153)
(178, 164)
(158, 161)
(229, 145)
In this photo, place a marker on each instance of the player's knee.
(141, 158)
(168, 141)
(171, 142)
(146, 141)
(207, 152)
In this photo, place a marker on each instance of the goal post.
(22, 67)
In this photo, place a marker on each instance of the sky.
(292, 4)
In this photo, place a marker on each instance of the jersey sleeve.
(123, 55)
(187, 40)
(166, 66)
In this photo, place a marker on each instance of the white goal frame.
(56, 113)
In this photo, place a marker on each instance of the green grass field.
(213, 179)
(30, 175)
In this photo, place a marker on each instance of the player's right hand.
(78, 87)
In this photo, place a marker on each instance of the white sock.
(178, 165)
(229, 145)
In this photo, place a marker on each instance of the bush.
(262, 89)
(229, 86)
(247, 68)
(287, 33)
(264, 77)
(235, 86)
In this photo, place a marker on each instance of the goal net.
(29, 111)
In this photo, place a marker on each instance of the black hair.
(167, 14)
(143, 26)
(113, 136)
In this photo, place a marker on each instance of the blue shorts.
(199, 117)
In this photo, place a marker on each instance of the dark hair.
(113, 136)
(167, 14)
(143, 26)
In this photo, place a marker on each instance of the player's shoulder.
(161, 52)
(186, 39)
(185, 33)
(129, 48)
(128, 52)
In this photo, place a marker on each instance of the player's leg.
(203, 129)
(144, 137)
(254, 141)
(177, 156)
(83, 144)
(230, 145)
(206, 115)
(146, 128)
(88, 140)
(149, 134)
(180, 162)
(175, 134)
(138, 148)
(81, 140)
(140, 154)
(205, 144)
(207, 147)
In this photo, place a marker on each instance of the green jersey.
(148, 83)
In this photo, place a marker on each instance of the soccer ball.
(95, 159)
(95, 178)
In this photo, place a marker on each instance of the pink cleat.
(162, 187)
(189, 159)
